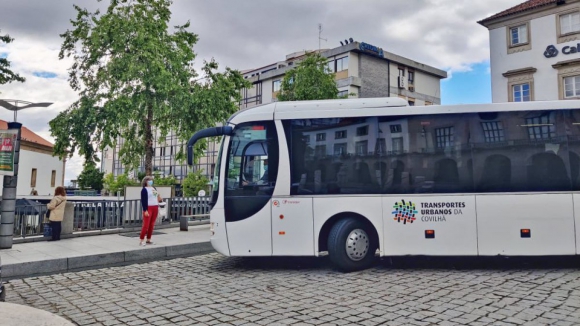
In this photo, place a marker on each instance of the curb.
(37, 238)
(61, 265)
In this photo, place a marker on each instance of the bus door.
(252, 166)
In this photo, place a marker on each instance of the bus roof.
(376, 106)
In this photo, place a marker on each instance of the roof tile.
(28, 135)
(522, 7)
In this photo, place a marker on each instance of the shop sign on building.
(371, 49)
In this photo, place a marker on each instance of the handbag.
(47, 231)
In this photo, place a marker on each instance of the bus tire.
(351, 245)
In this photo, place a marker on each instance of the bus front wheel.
(351, 245)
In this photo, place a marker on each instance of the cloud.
(248, 34)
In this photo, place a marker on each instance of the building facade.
(535, 51)
(38, 170)
(165, 162)
(361, 71)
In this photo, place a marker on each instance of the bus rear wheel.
(351, 245)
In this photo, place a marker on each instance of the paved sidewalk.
(43, 257)
(16, 315)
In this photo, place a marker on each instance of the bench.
(184, 220)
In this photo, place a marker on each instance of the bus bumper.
(219, 239)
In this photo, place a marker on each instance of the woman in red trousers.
(150, 200)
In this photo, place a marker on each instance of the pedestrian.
(150, 200)
(56, 209)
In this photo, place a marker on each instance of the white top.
(152, 196)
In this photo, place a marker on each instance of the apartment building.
(362, 69)
(535, 51)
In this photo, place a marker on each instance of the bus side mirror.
(205, 133)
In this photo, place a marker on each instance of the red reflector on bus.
(281, 217)
(281, 233)
(429, 234)
(525, 233)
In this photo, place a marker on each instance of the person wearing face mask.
(150, 200)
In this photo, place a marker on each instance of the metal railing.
(107, 214)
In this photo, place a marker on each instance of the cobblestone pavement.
(216, 290)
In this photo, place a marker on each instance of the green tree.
(193, 183)
(133, 77)
(91, 177)
(310, 80)
(113, 185)
(6, 75)
(164, 181)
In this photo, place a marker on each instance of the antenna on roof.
(320, 36)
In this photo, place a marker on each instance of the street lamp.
(7, 207)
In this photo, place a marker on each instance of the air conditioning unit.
(401, 82)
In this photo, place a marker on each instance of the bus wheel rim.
(357, 244)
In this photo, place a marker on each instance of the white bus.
(350, 177)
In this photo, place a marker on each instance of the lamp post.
(7, 207)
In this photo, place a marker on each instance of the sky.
(252, 33)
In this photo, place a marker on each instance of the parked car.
(2, 288)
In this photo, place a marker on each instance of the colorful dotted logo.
(404, 212)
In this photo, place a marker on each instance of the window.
(276, 85)
(340, 134)
(330, 66)
(398, 145)
(396, 128)
(251, 169)
(411, 77)
(343, 94)
(380, 146)
(493, 131)
(519, 35)
(362, 131)
(362, 147)
(342, 64)
(320, 150)
(521, 92)
(401, 72)
(427, 103)
(497, 154)
(444, 137)
(33, 178)
(53, 178)
(571, 86)
(321, 137)
(307, 139)
(570, 23)
(339, 149)
(541, 127)
(411, 102)
(343, 166)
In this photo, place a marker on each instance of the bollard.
(183, 223)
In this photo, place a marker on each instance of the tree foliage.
(134, 76)
(6, 74)
(193, 183)
(91, 177)
(310, 80)
(114, 184)
(169, 180)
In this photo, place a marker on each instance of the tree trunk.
(149, 141)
